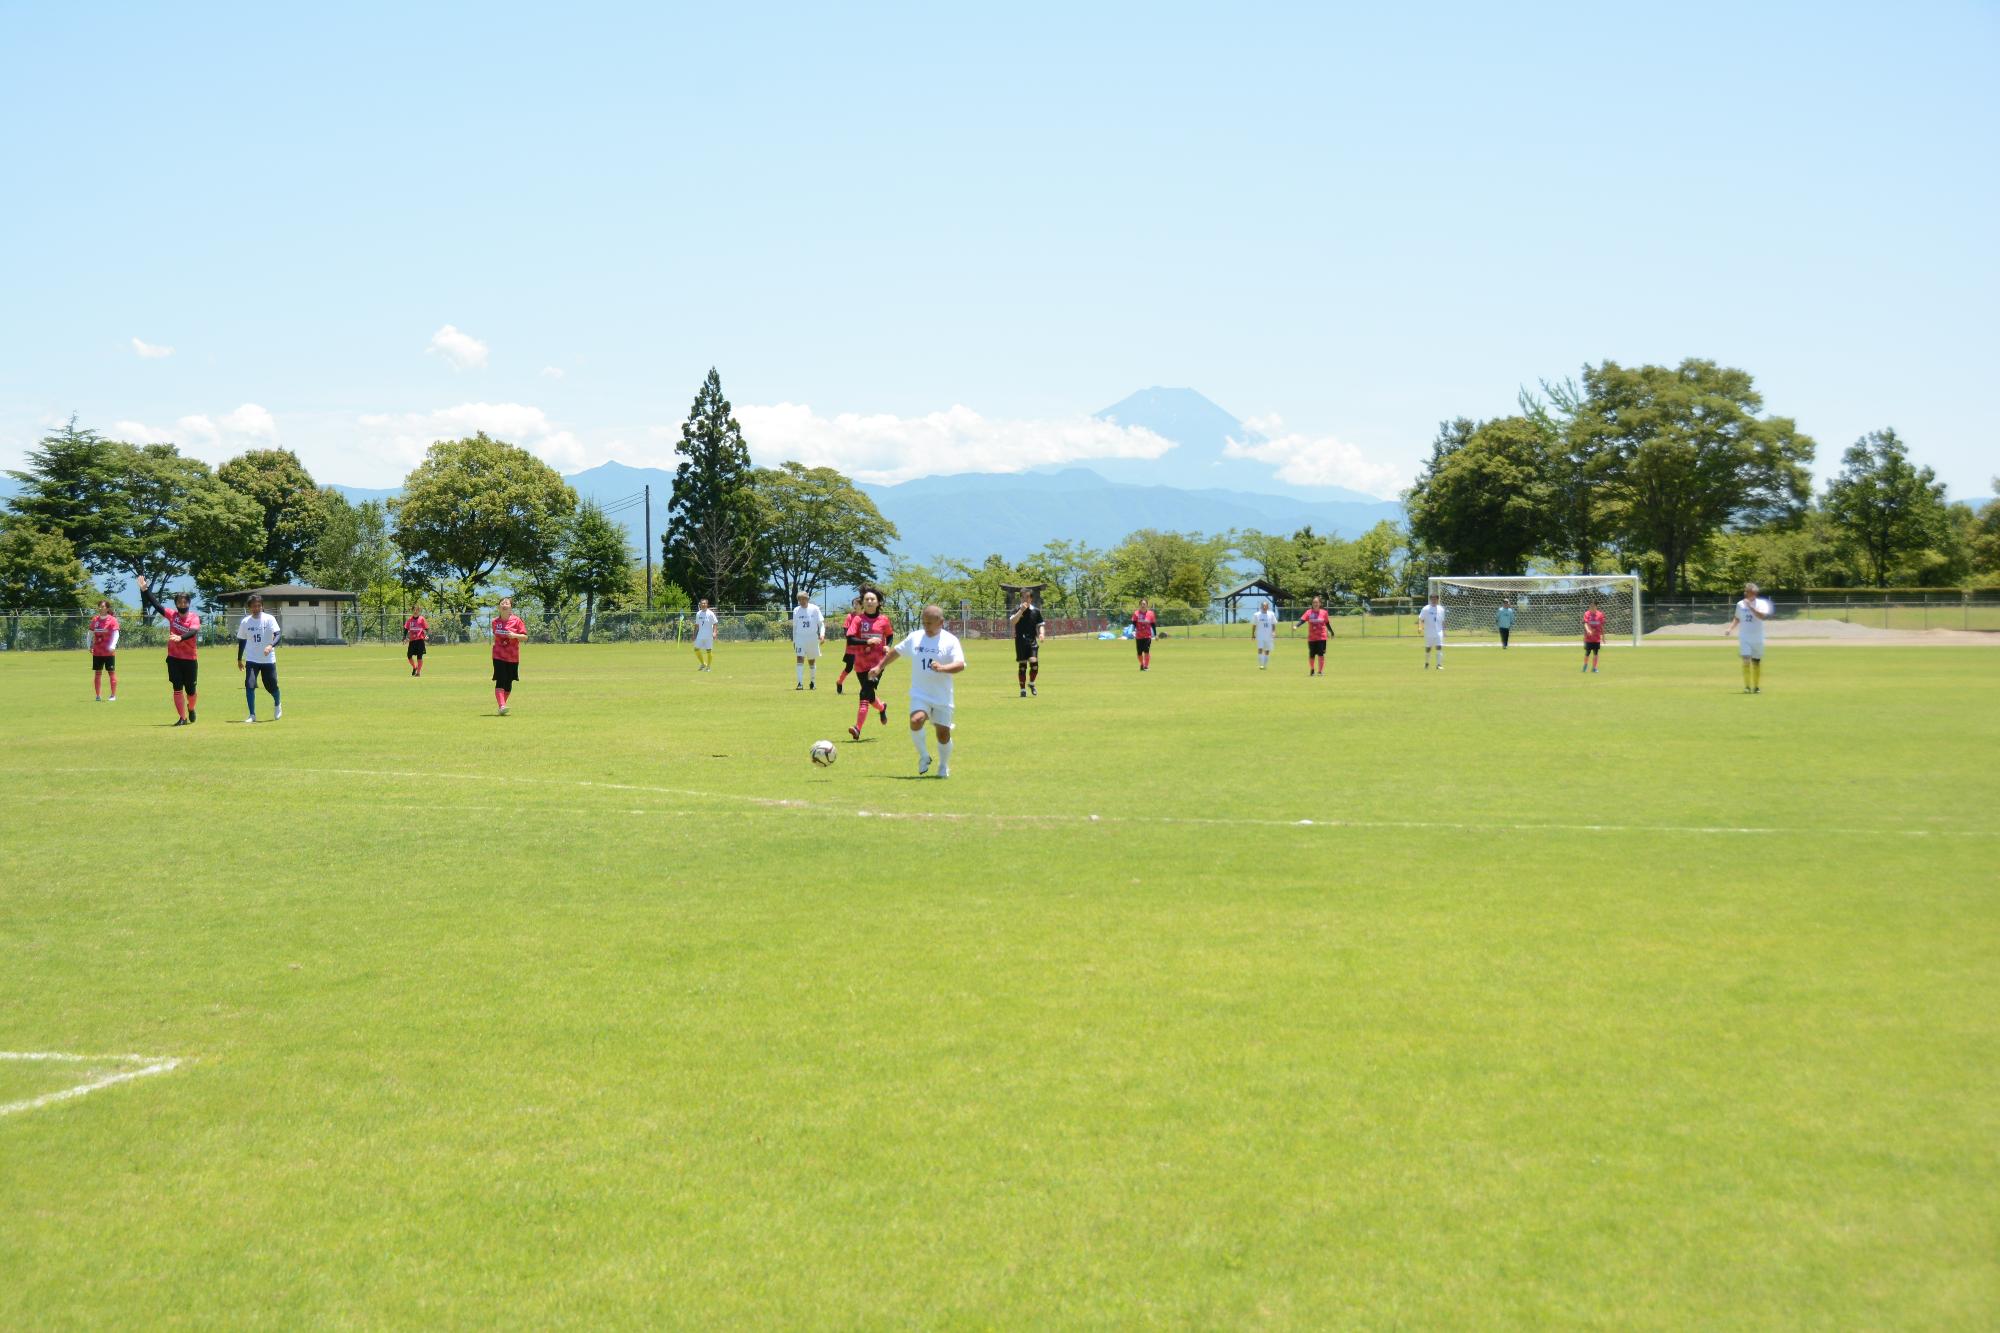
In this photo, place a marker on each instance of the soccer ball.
(823, 753)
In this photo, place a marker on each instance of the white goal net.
(1538, 608)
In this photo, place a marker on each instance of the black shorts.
(847, 661)
(264, 671)
(103, 661)
(181, 672)
(415, 648)
(1026, 651)
(868, 684)
(505, 673)
(1315, 647)
(1143, 645)
(1589, 647)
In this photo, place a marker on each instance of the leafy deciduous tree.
(476, 504)
(818, 529)
(294, 509)
(1886, 506)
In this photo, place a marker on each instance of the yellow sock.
(1757, 673)
(1746, 673)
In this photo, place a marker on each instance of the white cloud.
(149, 351)
(552, 372)
(403, 437)
(461, 349)
(1313, 460)
(211, 439)
(884, 448)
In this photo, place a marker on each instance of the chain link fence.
(1383, 618)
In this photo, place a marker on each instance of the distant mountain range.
(1194, 487)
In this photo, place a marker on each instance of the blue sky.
(934, 238)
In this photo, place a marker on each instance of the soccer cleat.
(503, 710)
(798, 689)
(1032, 690)
(190, 717)
(1756, 689)
(250, 720)
(180, 722)
(812, 684)
(277, 711)
(113, 699)
(924, 765)
(1024, 692)
(840, 687)
(882, 714)
(944, 772)
(855, 732)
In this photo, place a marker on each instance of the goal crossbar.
(1539, 609)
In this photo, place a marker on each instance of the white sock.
(812, 671)
(917, 739)
(798, 673)
(944, 754)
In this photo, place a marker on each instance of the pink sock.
(114, 682)
(180, 704)
(97, 683)
(500, 697)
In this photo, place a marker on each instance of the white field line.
(147, 1064)
(1196, 821)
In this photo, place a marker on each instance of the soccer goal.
(1548, 608)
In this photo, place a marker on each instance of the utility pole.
(649, 546)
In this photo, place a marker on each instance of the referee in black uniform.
(1028, 623)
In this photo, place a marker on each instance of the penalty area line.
(1193, 821)
(148, 1065)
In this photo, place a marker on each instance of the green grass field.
(1625, 1000)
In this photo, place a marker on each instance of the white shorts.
(1750, 647)
(938, 713)
(1265, 642)
(1433, 640)
(705, 641)
(807, 648)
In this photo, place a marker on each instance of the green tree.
(39, 570)
(1486, 503)
(1886, 506)
(596, 561)
(1681, 453)
(76, 483)
(183, 521)
(818, 529)
(1274, 558)
(355, 553)
(294, 508)
(1184, 567)
(1576, 511)
(1078, 573)
(1983, 541)
(711, 545)
(475, 505)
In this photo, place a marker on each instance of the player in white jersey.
(1265, 622)
(937, 657)
(808, 633)
(1748, 622)
(257, 655)
(1432, 620)
(705, 622)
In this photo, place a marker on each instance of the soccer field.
(1502, 996)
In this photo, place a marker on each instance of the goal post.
(1547, 608)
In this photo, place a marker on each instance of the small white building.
(305, 615)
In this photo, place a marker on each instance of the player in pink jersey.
(1593, 637)
(103, 650)
(1319, 628)
(1144, 625)
(183, 638)
(868, 639)
(416, 634)
(509, 633)
(847, 657)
